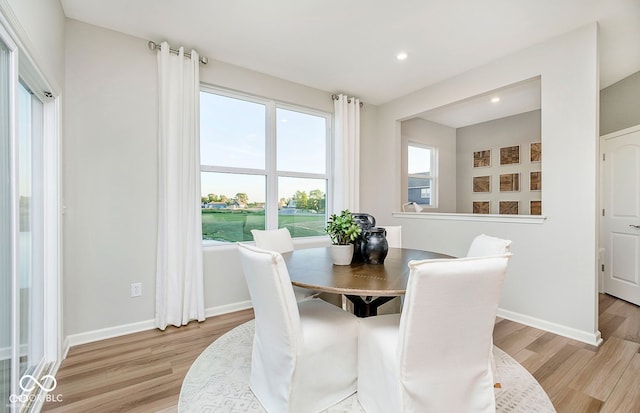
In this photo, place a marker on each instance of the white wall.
(521, 130)
(42, 23)
(551, 280)
(619, 105)
(110, 180)
(444, 139)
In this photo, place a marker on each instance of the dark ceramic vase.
(374, 246)
(365, 222)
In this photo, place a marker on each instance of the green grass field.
(236, 225)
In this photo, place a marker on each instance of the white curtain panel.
(179, 278)
(346, 190)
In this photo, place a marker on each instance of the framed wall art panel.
(482, 159)
(510, 155)
(482, 183)
(509, 207)
(481, 207)
(535, 152)
(535, 208)
(535, 181)
(509, 182)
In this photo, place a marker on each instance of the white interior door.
(621, 215)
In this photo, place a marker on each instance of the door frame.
(601, 232)
(24, 67)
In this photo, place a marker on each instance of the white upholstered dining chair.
(394, 235)
(304, 356)
(279, 240)
(435, 355)
(483, 246)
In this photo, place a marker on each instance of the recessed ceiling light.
(402, 56)
(495, 99)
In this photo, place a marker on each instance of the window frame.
(270, 172)
(432, 175)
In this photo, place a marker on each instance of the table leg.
(368, 306)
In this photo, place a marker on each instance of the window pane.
(232, 205)
(301, 206)
(419, 160)
(420, 190)
(31, 272)
(232, 132)
(302, 142)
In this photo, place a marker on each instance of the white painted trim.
(121, 330)
(228, 308)
(301, 242)
(621, 132)
(512, 219)
(109, 332)
(593, 339)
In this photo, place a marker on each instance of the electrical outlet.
(136, 289)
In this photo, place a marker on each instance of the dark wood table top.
(312, 268)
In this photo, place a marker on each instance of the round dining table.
(368, 286)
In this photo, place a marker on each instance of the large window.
(420, 174)
(264, 165)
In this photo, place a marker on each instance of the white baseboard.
(593, 339)
(228, 308)
(116, 331)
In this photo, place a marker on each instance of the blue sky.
(233, 134)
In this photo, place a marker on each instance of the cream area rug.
(218, 381)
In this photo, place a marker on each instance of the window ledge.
(300, 242)
(514, 219)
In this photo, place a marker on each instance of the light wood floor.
(143, 372)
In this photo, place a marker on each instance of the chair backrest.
(274, 304)
(485, 245)
(394, 235)
(278, 240)
(445, 334)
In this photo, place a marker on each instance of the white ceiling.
(514, 99)
(350, 46)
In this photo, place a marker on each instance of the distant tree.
(302, 200)
(316, 200)
(204, 199)
(242, 198)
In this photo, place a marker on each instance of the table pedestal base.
(367, 306)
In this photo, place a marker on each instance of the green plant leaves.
(343, 229)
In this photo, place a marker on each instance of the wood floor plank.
(605, 369)
(143, 372)
(629, 329)
(604, 301)
(608, 323)
(625, 396)
(556, 373)
(518, 339)
(572, 401)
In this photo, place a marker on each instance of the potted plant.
(343, 231)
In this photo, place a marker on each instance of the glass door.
(29, 236)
